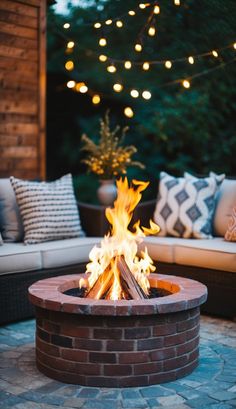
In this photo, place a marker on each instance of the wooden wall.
(22, 88)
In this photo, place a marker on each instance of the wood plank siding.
(22, 88)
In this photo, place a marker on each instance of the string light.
(186, 84)
(70, 84)
(177, 2)
(146, 95)
(234, 45)
(96, 99)
(128, 65)
(129, 112)
(69, 65)
(168, 64)
(66, 25)
(215, 53)
(131, 13)
(108, 22)
(191, 60)
(97, 25)
(138, 47)
(156, 9)
(117, 87)
(142, 6)
(146, 66)
(111, 68)
(151, 31)
(83, 89)
(70, 44)
(119, 24)
(102, 42)
(134, 93)
(102, 58)
(79, 85)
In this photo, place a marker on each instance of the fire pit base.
(117, 344)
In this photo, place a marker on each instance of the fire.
(118, 250)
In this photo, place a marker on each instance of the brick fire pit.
(117, 343)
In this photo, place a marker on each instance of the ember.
(116, 271)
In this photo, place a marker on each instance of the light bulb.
(168, 64)
(134, 93)
(102, 58)
(102, 42)
(70, 84)
(138, 47)
(234, 45)
(146, 66)
(128, 65)
(215, 53)
(108, 22)
(70, 44)
(97, 25)
(83, 89)
(66, 25)
(142, 6)
(79, 85)
(128, 112)
(69, 65)
(191, 60)
(111, 68)
(186, 84)
(151, 31)
(96, 99)
(119, 24)
(117, 87)
(146, 95)
(177, 2)
(131, 13)
(156, 10)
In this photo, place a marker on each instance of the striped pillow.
(48, 209)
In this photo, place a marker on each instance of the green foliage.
(177, 129)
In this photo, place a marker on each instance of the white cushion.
(185, 206)
(216, 253)
(159, 248)
(16, 257)
(48, 209)
(67, 252)
(225, 201)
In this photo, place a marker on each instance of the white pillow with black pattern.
(49, 210)
(185, 206)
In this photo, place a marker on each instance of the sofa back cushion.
(185, 206)
(49, 210)
(225, 201)
(11, 225)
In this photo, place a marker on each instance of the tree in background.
(178, 129)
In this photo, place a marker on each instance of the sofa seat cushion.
(16, 257)
(67, 252)
(160, 248)
(216, 254)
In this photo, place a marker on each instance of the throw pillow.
(1, 242)
(225, 201)
(11, 224)
(48, 209)
(185, 206)
(230, 234)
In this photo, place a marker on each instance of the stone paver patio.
(211, 385)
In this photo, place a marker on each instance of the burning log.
(102, 285)
(129, 284)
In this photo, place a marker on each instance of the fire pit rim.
(47, 293)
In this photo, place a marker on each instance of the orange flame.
(123, 241)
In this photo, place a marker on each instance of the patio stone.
(210, 386)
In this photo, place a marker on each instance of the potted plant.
(108, 158)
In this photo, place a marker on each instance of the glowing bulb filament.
(177, 2)
(134, 93)
(111, 68)
(119, 24)
(215, 53)
(168, 64)
(146, 95)
(186, 84)
(66, 25)
(117, 87)
(131, 13)
(191, 60)
(156, 10)
(146, 66)
(108, 22)
(97, 25)
(138, 47)
(234, 45)
(70, 44)
(142, 6)
(151, 31)
(70, 84)
(102, 42)
(128, 65)
(128, 112)
(69, 65)
(96, 99)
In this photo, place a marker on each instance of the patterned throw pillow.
(48, 209)
(230, 234)
(185, 206)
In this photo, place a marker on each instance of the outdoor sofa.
(211, 261)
